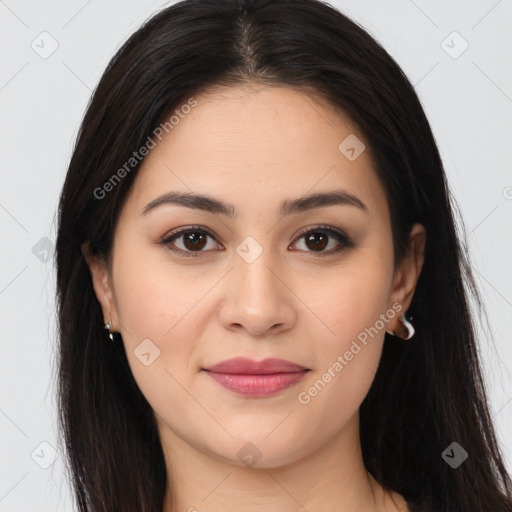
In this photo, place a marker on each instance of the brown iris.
(318, 240)
(194, 241)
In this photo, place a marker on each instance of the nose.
(257, 298)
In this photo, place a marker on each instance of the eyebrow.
(288, 207)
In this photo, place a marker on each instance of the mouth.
(256, 378)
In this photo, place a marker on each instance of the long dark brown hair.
(427, 393)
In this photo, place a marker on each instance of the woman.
(257, 214)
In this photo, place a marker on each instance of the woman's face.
(275, 276)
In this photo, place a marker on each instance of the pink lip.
(256, 378)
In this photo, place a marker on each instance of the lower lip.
(257, 385)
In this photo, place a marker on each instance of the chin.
(259, 453)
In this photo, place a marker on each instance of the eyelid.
(324, 227)
(186, 229)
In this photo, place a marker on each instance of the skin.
(255, 146)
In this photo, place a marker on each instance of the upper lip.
(244, 366)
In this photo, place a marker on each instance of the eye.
(192, 240)
(322, 237)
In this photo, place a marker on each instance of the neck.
(333, 477)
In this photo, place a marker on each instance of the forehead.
(250, 142)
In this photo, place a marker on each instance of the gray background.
(468, 99)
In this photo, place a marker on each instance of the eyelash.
(344, 240)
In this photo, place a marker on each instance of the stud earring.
(108, 327)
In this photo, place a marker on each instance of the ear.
(408, 273)
(102, 285)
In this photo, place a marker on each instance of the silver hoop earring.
(108, 327)
(408, 326)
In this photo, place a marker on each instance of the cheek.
(153, 296)
(352, 304)
(350, 298)
(157, 310)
